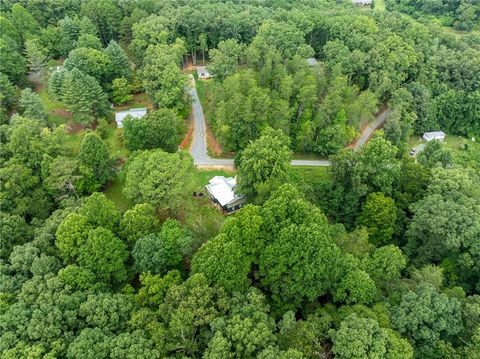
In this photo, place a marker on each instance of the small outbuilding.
(362, 2)
(312, 61)
(203, 73)
(134, 112)
(221, 191)
(437, 135)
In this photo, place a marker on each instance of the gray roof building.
(436, 135)
(221, 191)
(134, 112)
(203, 73)
(362, 2)
(312, 61)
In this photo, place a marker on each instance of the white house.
(221, 191)
(203, 73)
(312, 61)
(437, 135)
(362, 2)
(134, 112)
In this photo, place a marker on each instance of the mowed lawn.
(465, 151)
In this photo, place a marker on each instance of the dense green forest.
(461, 14)
(105, 253)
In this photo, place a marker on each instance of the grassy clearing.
(49, 103)
(139, 100)
(307, 156)
(114, 143)
(379, 5)
(309, 175)
(113, 191)
(55, 110)
(203, 176)
(200, 215)
(73, 141)
(204, 90)
(465, 151)
(308, 179)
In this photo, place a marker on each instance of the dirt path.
(368, 131)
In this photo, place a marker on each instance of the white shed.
(134, 112)
(362, 2)
(312, 61)
(436, 135)
(203, 73)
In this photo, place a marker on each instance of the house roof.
(434, 134)
(312, 61)
(202, 69)
(134, 112)
(222, 189)
(362, 2)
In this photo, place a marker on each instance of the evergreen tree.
(55, 83)
(83, 96)
(31, 105)
(24, 22)
(119, 60)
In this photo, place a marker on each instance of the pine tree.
(83, 96)
(31, 105)
(119, 60)
(55, 83)
(35, 56)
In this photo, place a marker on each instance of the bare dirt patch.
(74, 128)
(187, 140)
(61, 112)
(212, 144)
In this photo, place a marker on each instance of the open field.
(113, 190)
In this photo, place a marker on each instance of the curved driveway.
(198, 148)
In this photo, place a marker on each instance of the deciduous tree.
(264, 164)
(158, 129)
(159, 178)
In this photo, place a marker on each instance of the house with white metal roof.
(362, 2)
(221, 191)
(203, 73)
(312, 61)
(134, 112)
(436, 135)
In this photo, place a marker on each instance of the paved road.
(198, 148)
(368, 131)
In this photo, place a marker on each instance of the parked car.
(413, 152)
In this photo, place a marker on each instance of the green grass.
(465, 152)
(204, 90)
(49, 103)
(113, 191)
(308, 179)
(379, 5)
(310, 174)
(203, 176)
(73, 141)
(307, 156)
(200, 216)
(116, 147)
(139, 100)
